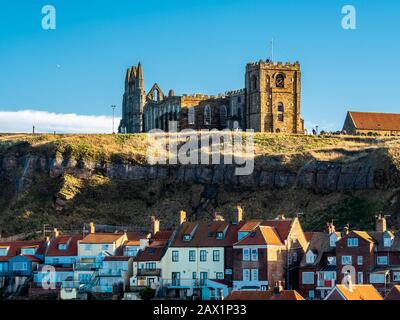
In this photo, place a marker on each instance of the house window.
(387, 241)
(20, 266)
(332, 261)
(176, 278)
(203, 278)
(194, 275)
(254, 274)
(150, 265)
(56, 260)
(3, 252)
(191, 115)
(219, 275)
(207, 115)
(203, 255)
(376, 278)
(360, 260)
(310, 257)
(360, 278)
(254, 254)
(84, 278)
(246, 254)
(88, 247)
(382, 260)
(192, 255)
(175, 256)
(308, 277)
(346, 260)
(28, 251)
(352, 242)
(187, 237)
(246, 275)
(220, 235)
(311, 294)
(396, 276)
(62, 246)
(216, 255)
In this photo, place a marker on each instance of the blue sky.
(197, 46)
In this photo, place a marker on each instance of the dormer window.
(387, 241)
(28, 251)
(310, 257)
(352, 242)
(332, 261)
(220, 235)
(187, 237)
(4, 251)
(62, 246)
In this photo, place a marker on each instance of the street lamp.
(113, 114)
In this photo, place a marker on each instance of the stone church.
(270, 102)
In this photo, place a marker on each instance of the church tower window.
(207, 115)
(280, 111)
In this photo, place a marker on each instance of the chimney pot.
(218, 217)
(381, 224)
(278, 288)
(182, 216)
(56, 233)
(92, 228)
(238, 213)
(155, 225)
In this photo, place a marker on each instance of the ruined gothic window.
(254, 83)
(280, 81)
(191, 115)
(222, 116)
(207, 115)
(280, 111)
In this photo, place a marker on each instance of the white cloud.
(23, 120)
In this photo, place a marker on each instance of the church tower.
(133, 101)
(273, 97)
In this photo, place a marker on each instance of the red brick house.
(317, 272)
(268, 251)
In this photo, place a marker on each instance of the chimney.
(280, 217)
(381, 225)
(278, 288)
(238, 213)
(330, 227)
(218, 217)
(155, 225)
(345, 231)
(348, 282)
(56, 233)
(182, 216)
(92, 229)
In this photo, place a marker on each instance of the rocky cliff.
(66, 180)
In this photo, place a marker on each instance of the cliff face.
(43, 185)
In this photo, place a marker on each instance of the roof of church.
(376, 120)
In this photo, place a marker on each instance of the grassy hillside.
(101, 199)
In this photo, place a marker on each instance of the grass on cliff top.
(132, 148)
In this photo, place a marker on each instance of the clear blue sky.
(197, 46)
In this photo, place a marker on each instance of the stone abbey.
(269, 102)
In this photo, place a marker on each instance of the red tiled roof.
(262, 235)
(282, 226)
(249, 226)
(102, 237)
(376, 120)
(134, 238)
(15, 248)
(150, 254)
(163, 235)
(205, 234)
(264, 295)
(30, 257)
(72, 247)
